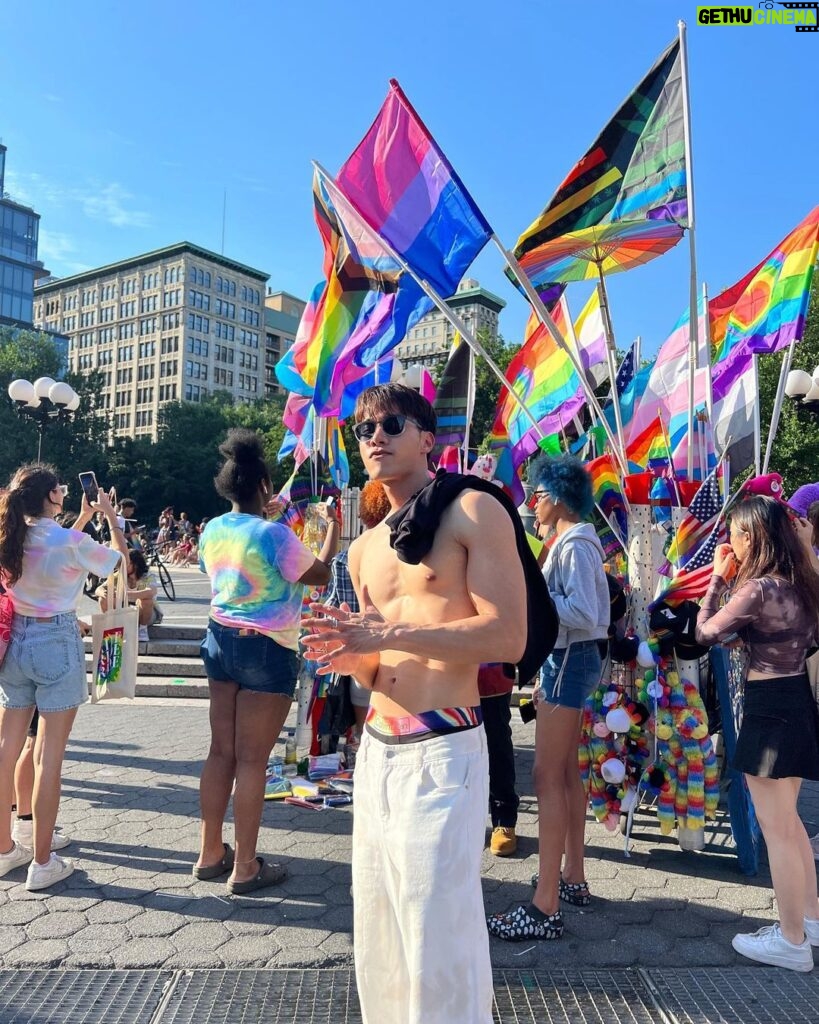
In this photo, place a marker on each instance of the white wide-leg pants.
(421, 943)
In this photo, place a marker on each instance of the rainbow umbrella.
(594, 252)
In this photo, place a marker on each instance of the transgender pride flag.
(404, 187)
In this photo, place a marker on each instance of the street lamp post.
(804, 388)
(43, 401)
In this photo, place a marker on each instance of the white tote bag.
(115, 636)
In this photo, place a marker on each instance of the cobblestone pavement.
(130, 801)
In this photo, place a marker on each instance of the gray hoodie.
(577, 582)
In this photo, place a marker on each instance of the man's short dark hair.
(382, 399)
(127, 501)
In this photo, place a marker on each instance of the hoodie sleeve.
(576, 602)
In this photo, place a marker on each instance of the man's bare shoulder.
(364, 540)
(479, 508)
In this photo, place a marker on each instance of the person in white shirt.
(43, 567)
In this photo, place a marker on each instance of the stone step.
(170, 686)
(183, 668)
(161, 648)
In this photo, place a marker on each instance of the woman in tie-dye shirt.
(257, 571)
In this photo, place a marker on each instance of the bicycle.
(154, 558)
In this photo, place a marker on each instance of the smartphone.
(331, 502)
(90, 487)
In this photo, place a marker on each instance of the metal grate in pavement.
(272, 996)
(736, 995)
(577, 997)
(329, 997)
(80, 997)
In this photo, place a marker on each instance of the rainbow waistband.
(412, 728)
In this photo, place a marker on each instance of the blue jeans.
(253, 662)
(571, 673)
(44, 665)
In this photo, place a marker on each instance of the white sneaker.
(16, 857)
(143, 634)
(41, 876)
(812, 931)
(23, 833)
(769, 946)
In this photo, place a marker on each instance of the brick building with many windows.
(175, 324)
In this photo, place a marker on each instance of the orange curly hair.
(373, 504)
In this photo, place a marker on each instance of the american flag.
(695, 528)
(691, 583)
(625, 374)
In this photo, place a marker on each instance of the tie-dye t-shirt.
(254, 568)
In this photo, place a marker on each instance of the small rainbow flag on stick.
(608, 492)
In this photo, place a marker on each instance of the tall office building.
(176, 323)
(282, 314)
(19, 266)
(430, 340)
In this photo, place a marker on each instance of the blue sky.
(126, 123)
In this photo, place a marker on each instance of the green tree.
(487, 386)
(795, 452)
(28, 354)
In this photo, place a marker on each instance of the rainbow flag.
(634, 170)
(658, 455)
(452, 399)
(365, 307)
(766, 310)
(639, 447)
(403, 186)
(542, 375)
(608, 492)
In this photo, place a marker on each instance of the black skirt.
(779, 736)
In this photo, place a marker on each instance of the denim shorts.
(570, 674)
(254, 662)
(44, 665)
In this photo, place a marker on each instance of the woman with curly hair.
(257, 571)
(43, 568)
(574, 571)
(774, 608)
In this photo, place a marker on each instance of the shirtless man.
(421, 780)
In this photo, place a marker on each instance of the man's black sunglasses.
(393, 425)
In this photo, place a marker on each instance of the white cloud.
(112, 204)
(58, 252)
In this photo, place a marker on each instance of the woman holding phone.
(257, 571)
(43, 567)
(774, 608)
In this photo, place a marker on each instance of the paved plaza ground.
(130, 802)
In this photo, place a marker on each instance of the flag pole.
(693, 318)
(706, 353)
(551, 327)
(787, 359)
(757, 421)
(470, 409)
(608, 329)
(452, 317)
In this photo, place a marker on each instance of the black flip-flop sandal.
(519, 925)
(576, 893)
(268, 874)
(208, 871)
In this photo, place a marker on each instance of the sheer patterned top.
(769, 615)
